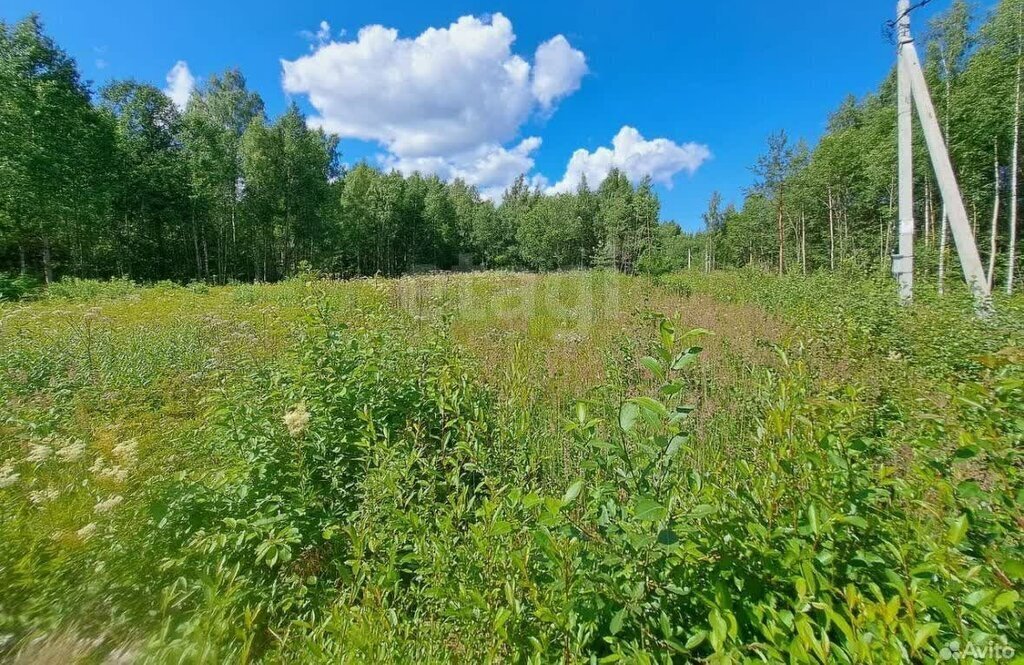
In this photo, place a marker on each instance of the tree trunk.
(195, 243)
(831, 231)
(888, 242)
(689, 258)
(206, 258)
(928, 221)
(22, 258)
(803, 243)
(942, 250)
(1012, 253)
(782, 243)
(47, 263)
(993, 241)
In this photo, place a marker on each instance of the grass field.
(509, 467)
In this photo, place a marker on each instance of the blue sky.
(720, 75)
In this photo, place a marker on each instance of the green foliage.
(16, 287)
(82, 290)
(134, 188)
(333, 472)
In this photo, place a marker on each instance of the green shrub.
(80, 290)
(17, 287)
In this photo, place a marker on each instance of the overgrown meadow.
(578, 467)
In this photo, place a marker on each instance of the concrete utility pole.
(903, 261)
(910, 72)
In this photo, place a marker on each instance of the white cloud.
(180, 84)
(489, 167)
(324, 33)
(447, 101)
(320, 37)
(558, 70)
(660, 158)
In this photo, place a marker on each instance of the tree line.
(835, 205)
(123, 184)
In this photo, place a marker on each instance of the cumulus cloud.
(660, 158)
(490, 167)
(447, 101)
(558, 70)
(180, 84)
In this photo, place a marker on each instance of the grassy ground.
(509, 467)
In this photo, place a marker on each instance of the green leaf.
(696, 639)
(719, 628)
(696, 332)
(957, 530)
(653, 366)
(573, 492)
(812, 519)
(651, 405)
(702, 511)
(1005, 599)
(581, 412)
(668, 334)
(673, 446)
(685, 359)
(647, 509)
(617, 620)
(967, 452)
(925, 633)
(1014, 568)
(628, 415)
(855, 520)
(667, 537)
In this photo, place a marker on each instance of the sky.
(684, 91)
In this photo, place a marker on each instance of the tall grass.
(508, 467)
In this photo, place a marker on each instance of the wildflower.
(71, 451)
(127, 450)
(43, 496)
(7, 475)
(116, 473)
(109, 504)
(297, 419)
(86, 531)
(39, 452)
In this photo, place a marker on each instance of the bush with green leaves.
(17, 287)
(818, 547)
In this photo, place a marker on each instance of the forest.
(124, 185)
(120, 183)
(260, 406)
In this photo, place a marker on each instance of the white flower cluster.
(86, 531)
(109, 504)
(71, 450)
(41, 497)
(7, 475)
(297, 419)
(39, 452)
(116, 473)
(127, 451)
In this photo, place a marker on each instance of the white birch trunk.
(1014, 165)
(993, 240)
